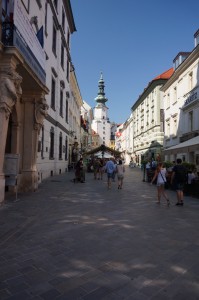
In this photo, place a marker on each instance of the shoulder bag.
(166, 185)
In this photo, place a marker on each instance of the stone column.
(35, 110)
(10, 90)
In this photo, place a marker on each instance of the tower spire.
(101, 94)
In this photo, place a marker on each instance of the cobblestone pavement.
(82, 241)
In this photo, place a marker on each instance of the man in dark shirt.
(178, 178)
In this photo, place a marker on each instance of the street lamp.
(143, 164)
(75, 151)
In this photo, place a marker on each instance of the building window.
(54, 40)
(46, 18)
(60, 146)
(68, 38)
(61, 103)
(55, 3)
(168, 100)
(152, 116)
(42, 142)
(5, 10)
(175, 95)
(62, 55)
(66, 148)
(175, 126)
(26, 4)
(52, 140)
(63, 19)
(167, 129)
(191, 121)
(66, 110)
(67, 69)
(190, 81)
(53, 85)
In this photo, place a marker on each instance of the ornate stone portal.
(23, 112)
(10, 91)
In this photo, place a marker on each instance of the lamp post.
(143, 163)
(75, 151)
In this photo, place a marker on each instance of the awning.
(187, 146)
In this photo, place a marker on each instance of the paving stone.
(4, 294)
(40, 288)
(20, 296)
(18, 288)
(69, 242)
(98, 294)
(51, 294)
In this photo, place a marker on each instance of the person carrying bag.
(160, 174)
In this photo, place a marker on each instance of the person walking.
(109, 169)
(80, 173)
(114, 172)
(178, 179)
(96, 166)
(160, 174)
(120, 169)
(148, 169)
(101, 168)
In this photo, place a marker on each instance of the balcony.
(7, 33)
(187, 136)
(34, 56)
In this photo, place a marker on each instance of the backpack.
(181, 174)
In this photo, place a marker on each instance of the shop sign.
(191, 98)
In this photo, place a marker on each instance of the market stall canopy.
(104, 150)
(101, 154)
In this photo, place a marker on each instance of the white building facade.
(148, 120)
(181, 98)
(61, 128)
(86, 131)
(40, 110)
(128, 142)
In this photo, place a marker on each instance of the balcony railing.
(7, 33)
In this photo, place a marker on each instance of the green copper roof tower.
(101, 99)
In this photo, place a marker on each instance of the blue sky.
(131, 42)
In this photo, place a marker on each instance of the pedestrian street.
(71, 241)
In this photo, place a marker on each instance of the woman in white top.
(160, 174)
(120, 174)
